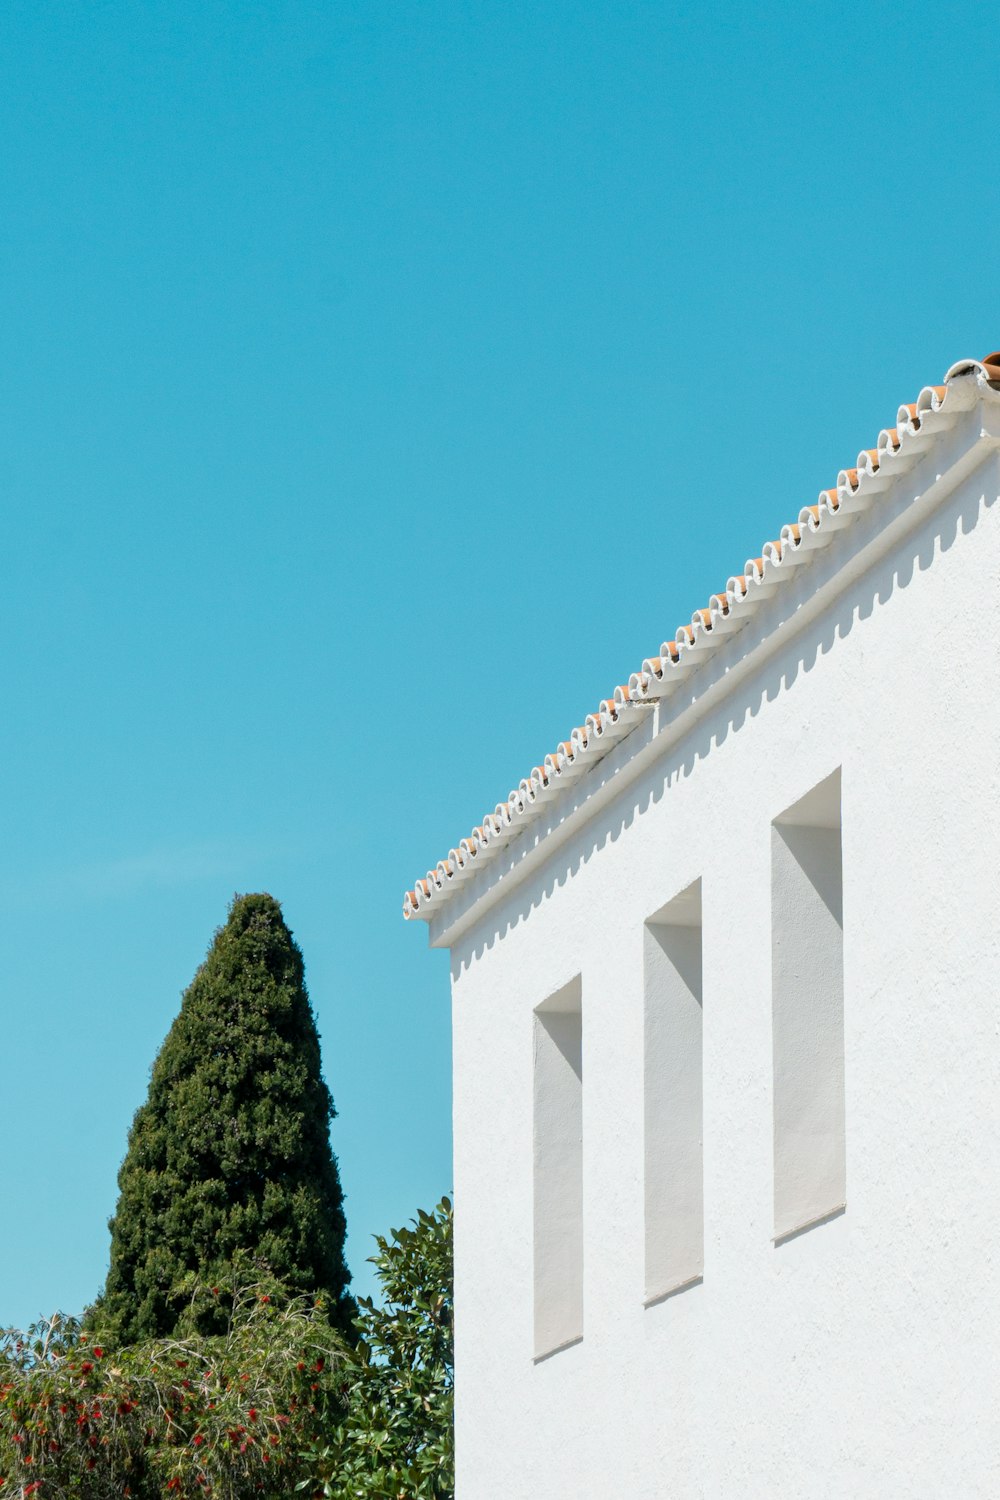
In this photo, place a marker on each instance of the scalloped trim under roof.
(725, 613)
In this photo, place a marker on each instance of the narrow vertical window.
(558, 1148)
(807, 973)
(673, 1096)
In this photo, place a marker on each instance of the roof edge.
(876, 470)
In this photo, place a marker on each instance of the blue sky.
(379, 385)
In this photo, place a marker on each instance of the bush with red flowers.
(230, 1416)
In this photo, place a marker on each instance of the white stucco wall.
(862, 1357)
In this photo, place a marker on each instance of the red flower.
(320, 1365)
(198, 1439)
(252, 1413)
(265, 1298)
(98, 1352)
(86, 1367)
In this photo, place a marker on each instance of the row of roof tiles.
(917, 424)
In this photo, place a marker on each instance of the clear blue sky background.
(379, 383)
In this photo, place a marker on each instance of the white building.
(726, 990)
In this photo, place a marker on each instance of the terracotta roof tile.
(916, 426)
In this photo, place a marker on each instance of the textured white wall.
(860, 1358)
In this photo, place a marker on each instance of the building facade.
(726, 1029)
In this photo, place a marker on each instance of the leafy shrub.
(397, 1438)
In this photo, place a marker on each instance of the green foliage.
(397, 1438)
(202, 1373)
(273, 1405)
(231, 1415)
(231, 1151)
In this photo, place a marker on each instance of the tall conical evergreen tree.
(231, 1151)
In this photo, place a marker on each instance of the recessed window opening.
(558, 1165)
(674, 1192)
(807, 969)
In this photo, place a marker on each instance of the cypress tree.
(230, 1154)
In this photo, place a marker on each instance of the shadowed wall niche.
(558, 1170)
(673, 1096)
(807, 975)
